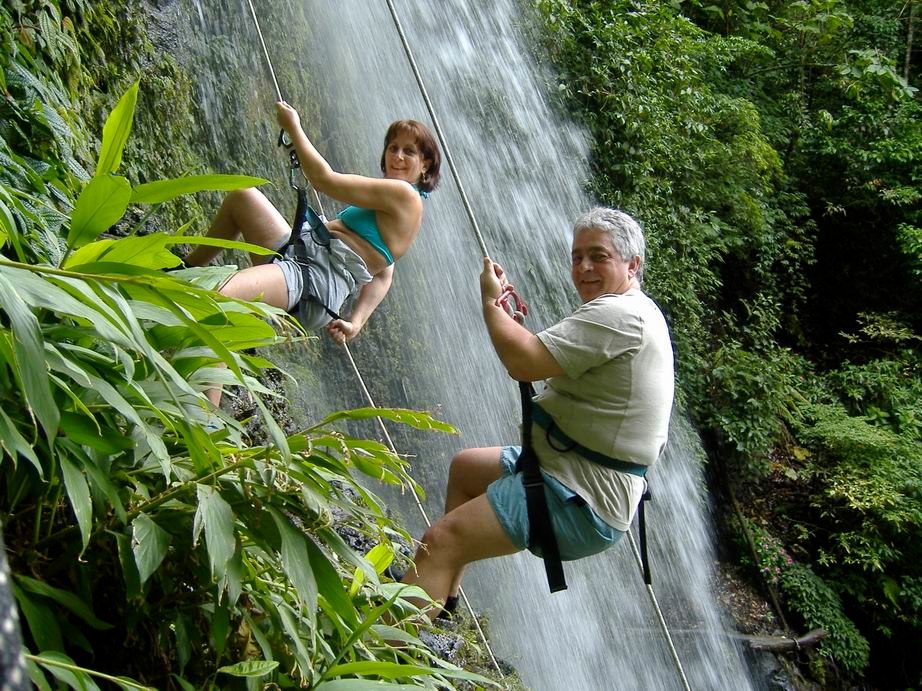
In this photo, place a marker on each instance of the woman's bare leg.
(244, 214)
(265, 283)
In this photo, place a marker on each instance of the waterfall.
(523, 166)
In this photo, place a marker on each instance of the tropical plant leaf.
(216, 517)
(381, 669)
(413, 418)
(15, 444)
(67, 671)
(101, 203)
(85, 430)
(78, 492)
(149, 542)
(41, 620)
(330, 584)
(31, 370)
(165, 190)
(362, 685)
(7, 224)
(64, 598)
(296, 563)
(115, 132)
(250, 668)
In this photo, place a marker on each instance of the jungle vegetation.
(773, 151)
(770, 148)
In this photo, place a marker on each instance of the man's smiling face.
(597, 267)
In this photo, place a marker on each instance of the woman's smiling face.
(403, 159)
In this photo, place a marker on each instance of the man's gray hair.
(625, 233)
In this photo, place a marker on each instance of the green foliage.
(753, 397)
(148, 536)
(820, 607)
(772, 151)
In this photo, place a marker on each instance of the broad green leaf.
(216, 517)
(164, 190)
(377, 668)
(7, 224)
(220, 242)
(297, 630)
(115, 132)
(32, 370)
(295, 561)
(36, 676)
(78, 492)
(275, 432)
(330, 584)
(413, 418)
(64, 598)
(101, 481)
(86, 431)
(183, 684)
(149, 542)
(67, 671)
(129, 565)
(87, 254)
(15, 444)
(101, 203)
(41, 620)
(362, 685)
(147, 251)
(250, 668)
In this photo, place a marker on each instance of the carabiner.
(512, 303)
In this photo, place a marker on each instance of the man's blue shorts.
(580, 532)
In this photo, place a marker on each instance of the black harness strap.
(642, 530)
(304, 214)
(541, 531)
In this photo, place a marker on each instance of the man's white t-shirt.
(615, 398)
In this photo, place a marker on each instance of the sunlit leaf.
(413, 418)
(32, 370)
(101, 203)
(115, 132)
(250, 668)
(164, 190)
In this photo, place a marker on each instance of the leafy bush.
(147, 536)
(819, 607)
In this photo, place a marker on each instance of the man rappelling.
(600, 422)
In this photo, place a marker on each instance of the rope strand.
(438, 128)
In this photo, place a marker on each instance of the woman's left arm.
(369, 297)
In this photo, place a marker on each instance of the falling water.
(522, 165)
